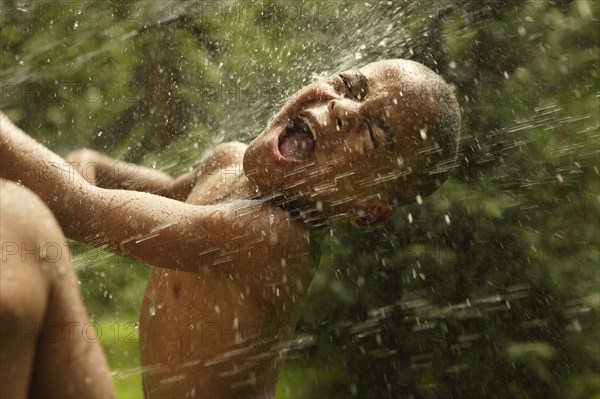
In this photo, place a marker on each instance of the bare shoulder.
(221, 157)
(231, 148)
(33, 247)
(24, 213)
(225, 154)
(12, 193)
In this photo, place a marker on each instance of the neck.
(243, 189)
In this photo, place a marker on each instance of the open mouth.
(296, 143)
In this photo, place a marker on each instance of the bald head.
(425, 117)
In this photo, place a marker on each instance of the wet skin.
(231, 268)
(222, 332)
(47, 349)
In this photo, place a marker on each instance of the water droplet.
(419, 199)
(152, 311)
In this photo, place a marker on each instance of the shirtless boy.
(234, 253)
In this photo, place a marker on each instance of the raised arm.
(103, 171)
(146, 227)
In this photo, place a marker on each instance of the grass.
(120, 341)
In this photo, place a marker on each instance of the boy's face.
(337, 141)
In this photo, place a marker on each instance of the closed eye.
(348, 86)
(356, 83)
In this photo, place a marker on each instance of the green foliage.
(489, 288)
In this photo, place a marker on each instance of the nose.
(343, 112)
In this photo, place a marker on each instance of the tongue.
(297, 145)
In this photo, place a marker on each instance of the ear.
(370, 213)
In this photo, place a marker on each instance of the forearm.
(85, 213)
(24, 160)
(103, 171)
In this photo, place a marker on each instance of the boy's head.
(361, 142)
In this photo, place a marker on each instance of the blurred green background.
(487, 289)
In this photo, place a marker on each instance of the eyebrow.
(363, 83)
(347, 84)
